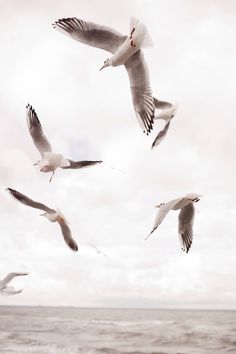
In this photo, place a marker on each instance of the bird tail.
(139, 33)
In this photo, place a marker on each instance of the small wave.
(133, 323)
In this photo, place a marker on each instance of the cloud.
(88, 114)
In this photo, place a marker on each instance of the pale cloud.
(88, 114)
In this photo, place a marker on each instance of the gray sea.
(56, 330)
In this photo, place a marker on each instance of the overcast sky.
(87, 114)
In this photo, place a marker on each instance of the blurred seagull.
(51, 214)
(126, 51)
(99, 251)
(167, 113)
(186, 217)
(49, 160)
(9, 290)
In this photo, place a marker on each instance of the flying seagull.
(50, 161)
(9, 290)
(186, 217)
(126, 51)
(167, 113)
(99, 251)
(51, 214)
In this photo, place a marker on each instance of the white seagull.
(126, 51)
(51, 214)
(50, 161)
(99, 251)
(186, 217)
(167, 113)
(9, 290)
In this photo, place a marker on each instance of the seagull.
(50, 161)
(126, 51)
(167, 113)
(51, 214)
(99, 251)
(186, 217)
(9, 290)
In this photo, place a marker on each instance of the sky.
(87, 114)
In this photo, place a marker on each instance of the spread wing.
(29, 202)
(9, 277)
(36, 131)
(164, 209)
(90, 33)
(160, 136)
(67, 235)
(80, 164)
(143, 101)
(186, 218)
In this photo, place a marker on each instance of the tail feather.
(139, 33)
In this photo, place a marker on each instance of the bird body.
(51, 161)
(186, 217)
(51, 214)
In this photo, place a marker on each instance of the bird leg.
(51, 177)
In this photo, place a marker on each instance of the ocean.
(59, 330)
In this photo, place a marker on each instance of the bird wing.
(90, 33)
(164, 209)
(141, 91)
(29, 202)
(80, 164)
(160, 136)
(67, 235)
(186, 217)
(9, 277)
(40, 140)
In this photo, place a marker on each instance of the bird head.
(107, 62)
(159, 205)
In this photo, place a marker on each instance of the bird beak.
(41, 170)
(102, 67)
(157, 206)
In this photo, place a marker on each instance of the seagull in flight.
(126, 50)
(186, 217)
(50, 161)
(9, 290)
(99, 251)
(51, 214)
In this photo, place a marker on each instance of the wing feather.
(80, 164)
(39, 139)
(186, 218)
(90, 33)
(163, 210)
(141, 91)
(29, 202)
(66, 232)
(161, 135)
